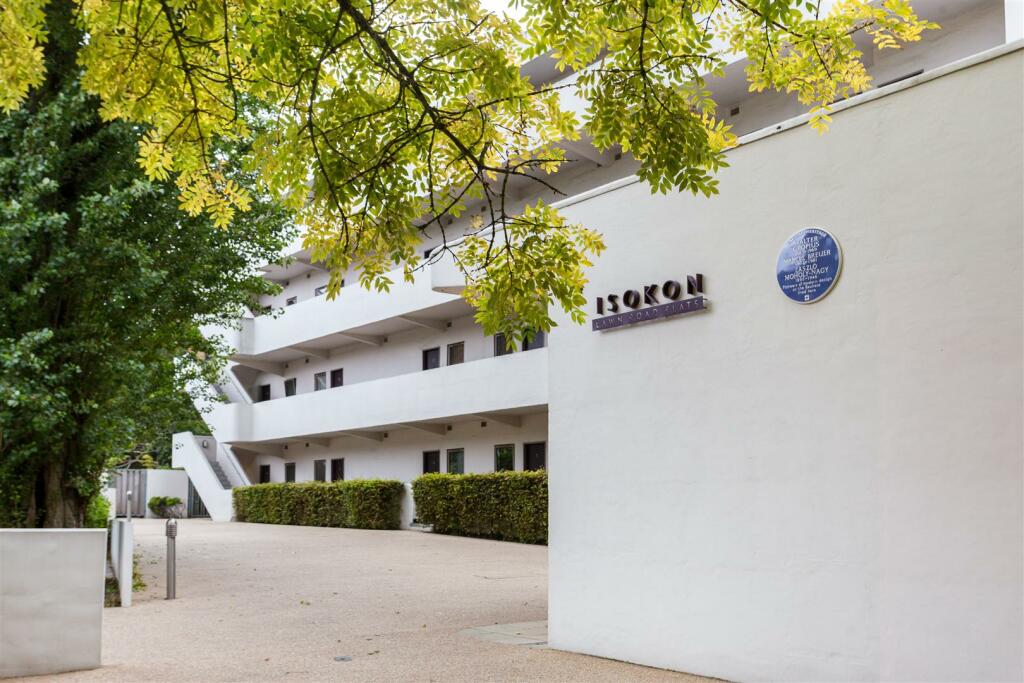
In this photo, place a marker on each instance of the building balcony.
(317, 325)
(501, 388)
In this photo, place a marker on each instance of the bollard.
(172, 533)
(128, 503)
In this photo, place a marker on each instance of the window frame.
(291, 301)
(436, 453)
(269, 477)
(260, 392)
(526, 468)
(532, 344)
(462, 458)
(289, 471)
(294, 381)
(319, 381)
(500, 345)
(320, 470)
(433, 349)
(333, 469)
(337, 372)
(512, 467)
(461, 345)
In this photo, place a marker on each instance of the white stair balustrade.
(198, 456)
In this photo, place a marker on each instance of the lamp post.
(171, 530)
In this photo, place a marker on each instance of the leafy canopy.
(386, 119)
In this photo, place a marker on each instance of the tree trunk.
(64, 507)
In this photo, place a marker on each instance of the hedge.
(162, 506)
(355, 504)
(506, 506)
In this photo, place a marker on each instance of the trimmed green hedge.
(355, 504)
(506, 506)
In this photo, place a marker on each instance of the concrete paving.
(262, 602)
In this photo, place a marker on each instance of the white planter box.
(51, 600)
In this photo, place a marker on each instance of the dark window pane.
(289, 387)
(264, 474)
(264, 392)
(431, 461)
(504, 458)
(456, 353)
(431, 358)
(291, 301)
(337, 377)
(534, 456)
(289, 471)
(320, 291)
(319, 470)
(319, 381)
(500, 348)
(536, 343)
(456, 461)
(337, 469)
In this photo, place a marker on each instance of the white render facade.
(762, 491)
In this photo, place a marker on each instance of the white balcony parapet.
(188, 452)
(493, 385)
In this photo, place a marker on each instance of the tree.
(104, 284)
(399, 115)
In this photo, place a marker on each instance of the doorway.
(535, 456)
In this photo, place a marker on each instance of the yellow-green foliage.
(506, 506)
(356, 504)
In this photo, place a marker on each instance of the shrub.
(162, 505)
(355, 504)
(97, 512)
(506, 506)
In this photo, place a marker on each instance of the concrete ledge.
(51, 600)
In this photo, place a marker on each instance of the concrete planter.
(51, 600)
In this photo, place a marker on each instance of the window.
(291, 301)
(536, 343)
(264, 392)
(456, 461)
(431, 358)
(319, 381)
(504, 458)
(534, 456)
(337, 469)
(456, 353)
(319, 470)
(289, 471)
(337, 377)
(264, 474)
(500, 348)
(320, 291)
(431, 461)
(289, 386)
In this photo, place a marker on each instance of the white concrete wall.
(51, 600)
(166, 483)
(770, 491)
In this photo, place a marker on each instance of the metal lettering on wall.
(653, 308)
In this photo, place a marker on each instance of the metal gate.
(196, 508)
(134, 481)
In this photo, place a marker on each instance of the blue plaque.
(808, 266)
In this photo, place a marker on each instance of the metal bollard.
(172, 533)
(128, 503)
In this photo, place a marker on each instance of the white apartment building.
(762, 490)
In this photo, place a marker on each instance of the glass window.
(320, 291)
(456, 460)
(337, 377)
(319, 470)
(289, 471)
(537, 342)
(431, 358)
(431, 461)
(289, 386)
(337, 469)
(264, 474)
(264, 392)
(291, 301)
(500, 348)
(319, 381)
(456, 353)
(504, 458)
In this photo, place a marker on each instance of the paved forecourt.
(264, 602)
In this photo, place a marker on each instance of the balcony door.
(264, 474)
(535, 456)
(431, 461)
